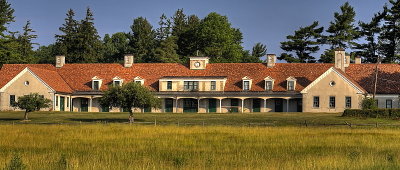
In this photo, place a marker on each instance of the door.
(256, 105)
(278, 105)
(234, 106)
(169, 105)
(105, 109)
(84, 105)
(147, 109)
(190, 105)
(212, 105)
(299, 105)
(62, 103)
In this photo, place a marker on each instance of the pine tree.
(66, 43)
(259, 50)
(8, 44)
(188, 41)
(89, 43)
(115, 47)
(389, 39)
(166, 52)
(142, 40)
(164, 31)
(303, 43)
(26, 45)
(369, 31)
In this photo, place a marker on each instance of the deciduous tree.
(32, 102)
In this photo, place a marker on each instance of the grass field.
(286, 145)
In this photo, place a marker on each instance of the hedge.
(374, 113)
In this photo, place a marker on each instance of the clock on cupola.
(198, 63)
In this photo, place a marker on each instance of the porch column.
(220, 106)
(242, 105)
(287, 105)
(71, 105)
(90, 104)
(176, 105)
(265, 105)
(198, 105)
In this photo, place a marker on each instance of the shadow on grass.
(108, 120)
(9, 119)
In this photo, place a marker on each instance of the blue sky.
(265, 21)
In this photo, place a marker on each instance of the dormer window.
(138, 80)
(96, 83)
(117, 81)
(291, 84)
(269, 83)
(246, 82)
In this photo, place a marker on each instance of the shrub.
(16, 163)
(374, 113)
(368, 103)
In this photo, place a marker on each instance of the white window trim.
(94, 79)
(138, 79)
(294, 83)
(115, 79)
(246, 78)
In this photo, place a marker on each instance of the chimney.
(358, 60)
(340, 59)
(271, 60)
(347, 61)
(60, 61)
(128, 60)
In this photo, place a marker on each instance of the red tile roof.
(78, 77)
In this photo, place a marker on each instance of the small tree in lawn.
(32, 102)
(129, 95)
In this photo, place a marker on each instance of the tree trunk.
(376, 77)
(26, 115)
(131, 119)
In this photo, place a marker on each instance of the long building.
(203, 87)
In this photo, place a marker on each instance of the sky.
(265, 21)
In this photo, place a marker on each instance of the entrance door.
(212, 105)
(299, 105)
(278, 105)
(147, 109)
(62, 103)
(256, 105)
(105, 109)
(190, 105)
(234, 106)
(84, 105)
(169, 105)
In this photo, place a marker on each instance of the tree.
(115, 47)
(45, 54)
(259, 50)
(164, 31)
(32, 102)
(26, 45)
(8, 43)
(303, 43)
(369, 31)
(89, 43)
(129, 95)
(142, 40)
(389, 39)
(66, 43)
(166, 52)
(218, 40)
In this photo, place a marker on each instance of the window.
(191, 85)
(389, 103)
(56, 100)
(138, 81)
(169, 85)
(332, 102)
(316, 102)
(348, 102)
(246, 85)
(268, 85)
(290, 85)
(213, 85)
(117, 83)
(96, 85)
(12, 100)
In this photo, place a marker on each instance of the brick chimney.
(128, 60)
(357, 60)
(60, 61)
(271, 60)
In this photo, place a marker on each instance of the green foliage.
(305, 41)
(368, 103)
(342, 30)
(115, 47)
(45, 54)
(166, 52)
(67, 43)
(373, 113)
(129, 95)
(26, 44)
(15, 164)
(62, 164)
(389, 39)
(32, 102)
(219, 40)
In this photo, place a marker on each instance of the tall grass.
(118, 146)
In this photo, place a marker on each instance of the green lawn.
(237, 119)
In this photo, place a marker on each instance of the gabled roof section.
(26, 70)
(291, 78)
(342, 75)
(269, 78)
(246, 78)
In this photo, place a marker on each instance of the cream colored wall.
(67, 104)
(324, 91)
(178, 85)
(18, 89)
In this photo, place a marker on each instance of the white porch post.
(198, 105)
(242, 105)
(71, 105)
(287, 105)
(265, 105)
(176, 105)
(220, 106)
(90, 104)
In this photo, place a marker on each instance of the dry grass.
(122, 146)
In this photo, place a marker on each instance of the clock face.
(197, 64)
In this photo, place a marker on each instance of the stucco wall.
(324, 90)
(178, 85)
(18, 88)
